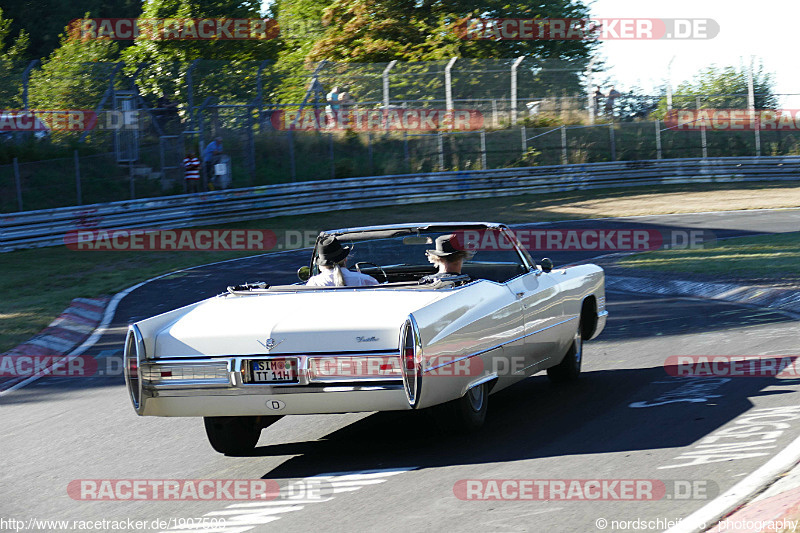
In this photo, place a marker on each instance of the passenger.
(447, 259)
(332, 261)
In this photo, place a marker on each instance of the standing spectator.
(211, 157)
(333, 99)
(613, 94)
(191, 167)
(598, 99)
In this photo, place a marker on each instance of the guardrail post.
(77, 177)
(612, 141)
(658, 139)
(440, 141)
(330, 155)
(564, 159)
(483, 149)
(18, 183)
(524, 140)
(292, 165)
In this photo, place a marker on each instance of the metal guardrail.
(48, 227)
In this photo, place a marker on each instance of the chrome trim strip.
(266, 390)
(478, 382)
(498, 345)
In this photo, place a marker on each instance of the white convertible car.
(247, 357)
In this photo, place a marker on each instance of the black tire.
(236, 435)
(569, 369)
(465, 414)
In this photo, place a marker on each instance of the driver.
(332, 261)
(447, 259)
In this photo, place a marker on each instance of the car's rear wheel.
(236, 435)
(569, 369)
(464, 414)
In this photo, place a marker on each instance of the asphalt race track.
(626, 419)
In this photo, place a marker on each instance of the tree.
(75, 75)
(723, 88)
(44, 22)
(12, 64)
(229, 75)
(367, 34)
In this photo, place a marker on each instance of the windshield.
(403, 257)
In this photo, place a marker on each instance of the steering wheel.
(358, 268)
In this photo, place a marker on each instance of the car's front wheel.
(570, 367)
(236, 435)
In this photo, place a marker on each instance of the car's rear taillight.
(411, 356)
(134, 348)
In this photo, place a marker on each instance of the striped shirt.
(192, 166)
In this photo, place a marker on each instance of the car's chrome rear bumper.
(220, 386)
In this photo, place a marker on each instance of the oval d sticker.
(275, 405)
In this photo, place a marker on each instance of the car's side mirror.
(547, 265)
(304, 273)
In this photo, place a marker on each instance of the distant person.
(211, 157)
(333, 98)
(332, 261)
(598, 98)
(191, 168)
(446, 257)
(613, 94)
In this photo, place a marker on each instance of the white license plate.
(274, 371)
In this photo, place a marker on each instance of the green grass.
(764, 257)
(38, 284)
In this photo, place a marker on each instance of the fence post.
(658, 139)
(513, 99)
(483, 149)
(524, 140)
(564, 159)
(703, 140)
(406, 155)
(386, 83)
(330, 155)
(292, 166)
(495, 122)
(612, 141)
(78, 178)
(132, 182)
(18, 183)
(440, 141)
(448, 84)
(251, 147)
(751, 103)
(369, 150)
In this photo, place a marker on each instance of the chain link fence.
(180, 107)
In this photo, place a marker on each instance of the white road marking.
(242, 517)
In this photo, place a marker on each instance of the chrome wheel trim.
(578, 343)
(476, 397)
